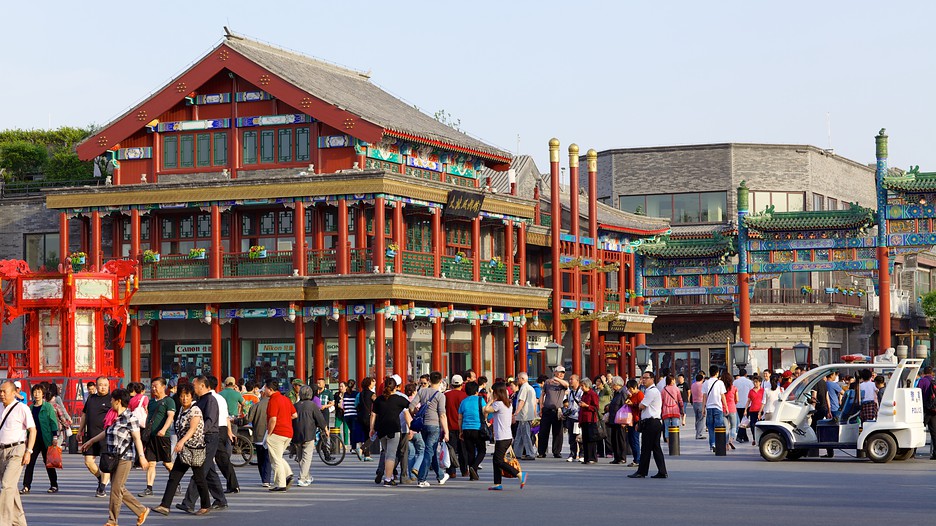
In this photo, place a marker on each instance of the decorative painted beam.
(814, 266)
(691, 271)
(690, 291)
(911, 240)
(760, 245)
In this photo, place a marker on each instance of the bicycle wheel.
(331, 451)
(241, 451)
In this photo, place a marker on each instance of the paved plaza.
(701, 487)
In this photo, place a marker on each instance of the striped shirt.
(347, 405)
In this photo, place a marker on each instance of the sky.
(604, 75)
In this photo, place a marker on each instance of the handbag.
(624, 416)
(109, 462)
(54, 457)
(485, 432)
(745, 422)
(601, 430)
(511, 459)
(193, 456)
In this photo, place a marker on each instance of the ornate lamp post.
(801, 353)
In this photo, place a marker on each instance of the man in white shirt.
(651, 428)
(744, 385)
(526, 411)
(714, 397)
(17, 437)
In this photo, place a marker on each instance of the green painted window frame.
(284, 145)
(303, 152)
(203, 149)
(187, 151)
(250, 147)
(220, 148)
(267, 147)
(170, 152)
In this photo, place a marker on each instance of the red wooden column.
(378, 244)
(380, 344)
(522, 345)
(508, 250)
(597, 278)
(63, 239)
(438, 245)
(884, 301)
(96, 254)
(437, 345)
(300, 359)
(318, 348)
(343, 346)
(399, 347)
(216, 249)
(556, 222)
(342, 248)
(135, 351)
(360, 347)
(237, 366)
(576, 252)
(476, 251)
(134, 235)
(399, 237)
(521, 252)
(216, 342)
(476, 347)
(300, 256)
(155, 354)
(318, 228)
(624, 362)
(509, 355)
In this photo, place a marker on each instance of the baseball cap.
(230, 381)
(297, 381)
(457, 379)
(18, 384)
(397, 379)
(787, 374)
(559, 369)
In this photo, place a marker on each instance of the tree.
(66, 166)
(20, 159)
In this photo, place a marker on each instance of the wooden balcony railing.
(361, 260)
(240, 264)
(463, 269)
(176, 266)
(322, 262)
(417, 263)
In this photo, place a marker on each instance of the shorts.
(94, 450)
(158, 449)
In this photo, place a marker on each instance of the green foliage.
(446, 118)
(66, 166)
(20, 159)
(929, 307)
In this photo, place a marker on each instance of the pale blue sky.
(601, 74)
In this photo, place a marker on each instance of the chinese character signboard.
(463, 204)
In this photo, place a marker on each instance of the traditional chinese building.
(293, 219)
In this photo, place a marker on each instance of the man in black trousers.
(553, 393)
(210, 412)
(651, 428)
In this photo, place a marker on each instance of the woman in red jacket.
(588, 421)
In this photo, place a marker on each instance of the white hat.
(457, 380)
(559, 369)
(397, 379)
(18, 384)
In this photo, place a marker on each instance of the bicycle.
(242, 449)
(332, 451)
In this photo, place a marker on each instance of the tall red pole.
(508, 251)
(300, 256)
(556, 223)
(437, 345)
(342, 248)
(63, 238)
(215, 254)
(521, 252)
(399, 237)
(380, 222)
(300, 358)
(522, 345)
(476, 361)
(476, 249)
(360, 347)
(380, 343)
(135, 351)
(510, 356)
(597, 288)
(399, 347)
(96, 252)
(216, 343)
(318, 348)
(438, 244)
(155, 354)
(343, 371)
(576, 252)
(237, 369)
(884, 307)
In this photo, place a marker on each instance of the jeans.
(713, 418)
(550, 422)
(571, 426)
(500, 450)
(263, 463)
(524, 439)
(417, 452)
(633, 439)
(732, 425)
(306, 450)
(431, 435)
(668, 423)
(699, 410)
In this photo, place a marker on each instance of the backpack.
(929, 399)
(420, 419)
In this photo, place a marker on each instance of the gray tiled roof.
(610, 216)
(353, 91)
(527, 174)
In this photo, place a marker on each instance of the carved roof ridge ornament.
(856, 219)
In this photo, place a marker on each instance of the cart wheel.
(881, 448)
(773, 448)
(241, 451)
(905, 453)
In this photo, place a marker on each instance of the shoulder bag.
(486, 434)
(109, 462)
(193, 456)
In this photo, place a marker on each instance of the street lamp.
(801, 353)
(553, 354)
(739, 352)
(643, 356)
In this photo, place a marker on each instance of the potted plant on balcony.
(150, 256)
(196, 253)
(257, 252)
(392, 250)
(78, 258)
(459, 256)
(629, 293)
(806, 289)
(495, 262)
